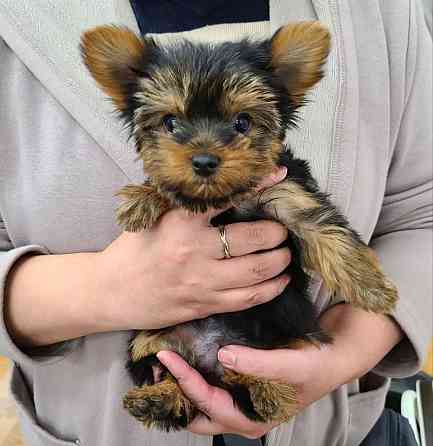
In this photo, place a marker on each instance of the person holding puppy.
(71, 294)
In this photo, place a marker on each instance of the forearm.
(53, 298)
(144, 280)
(361, 339)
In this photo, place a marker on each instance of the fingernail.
(161, 355)
(284, 282)
(280, 174)
(226, 358)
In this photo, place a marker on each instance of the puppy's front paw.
(162, 406)
(141, 208)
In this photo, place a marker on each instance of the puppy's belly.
(204, 338)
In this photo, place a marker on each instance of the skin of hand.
(173, 273)
(186, 275)
(361, 341)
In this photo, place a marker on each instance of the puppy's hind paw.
(162, 406)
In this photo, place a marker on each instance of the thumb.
(283, 364)
(192, 383)
(207, 216)
(198, 219)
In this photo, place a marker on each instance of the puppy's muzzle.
(205, 164)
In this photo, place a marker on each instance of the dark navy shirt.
(169, 16)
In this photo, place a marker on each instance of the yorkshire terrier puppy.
(209, 122)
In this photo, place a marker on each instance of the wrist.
(91, 306)
(361, 339)
(102, 304)
(61, 291)
(347, 321)
(115, 295)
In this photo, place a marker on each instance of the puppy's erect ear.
(116, 57)
(298, 52)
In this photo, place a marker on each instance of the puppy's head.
(208, 121)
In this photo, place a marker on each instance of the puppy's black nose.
(205, 164)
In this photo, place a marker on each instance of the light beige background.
(9, 429)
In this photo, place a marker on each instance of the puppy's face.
(208, 121)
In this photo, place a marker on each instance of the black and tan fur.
(208, 88)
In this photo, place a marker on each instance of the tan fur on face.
(171, 164)
(298, 53)
(248, 94)
(161, 94)
(111, 54)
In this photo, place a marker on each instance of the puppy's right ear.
(116, 58)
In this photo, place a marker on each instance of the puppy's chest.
(246, 211)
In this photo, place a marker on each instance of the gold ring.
(222, 232)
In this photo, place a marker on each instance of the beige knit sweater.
(367, 134)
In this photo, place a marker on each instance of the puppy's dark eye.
(242, 123)
(169, 122)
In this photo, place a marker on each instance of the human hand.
(176, 271)
(314, 372)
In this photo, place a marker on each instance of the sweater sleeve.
(8, 257)
(403, 236)
(11, 70)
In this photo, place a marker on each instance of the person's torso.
(64, 156)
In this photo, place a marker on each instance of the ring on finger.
(225, 243)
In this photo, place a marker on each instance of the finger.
(243, 298)
(199, 219)
(192, 383)
(216, 403)
(249, 270)
(274, 178)
(244, 238)
(289, 365)
(207, 216)
(202, 425)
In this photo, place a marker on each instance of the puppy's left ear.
(298, 53)
(116, 58)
